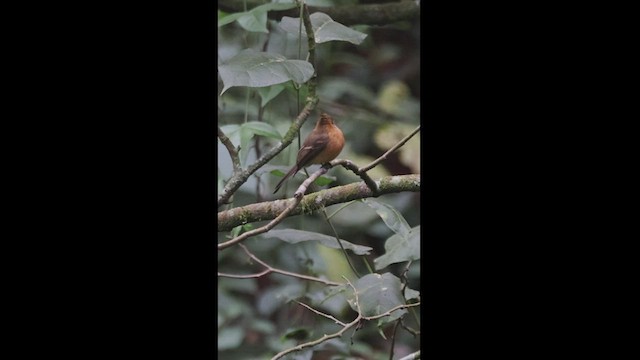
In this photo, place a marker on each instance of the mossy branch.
(269, 210)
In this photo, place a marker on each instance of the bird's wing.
(310, 149)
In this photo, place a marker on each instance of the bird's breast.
(333, 148)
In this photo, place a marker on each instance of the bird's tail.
(291, 172)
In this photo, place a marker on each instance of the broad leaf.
(376, 295)
(245, 143)
(230, 337)
(254, 20)
(324, 29)
(258, 69)
(262, 129)
(399, 249)
(411, 294)
(324, 180)
(391, 217)
(298, 333)
(277, 171)
(333, 291)
(295, 236)
(275, 6)
(268, 93)
(273, 298)
(227, 19)
(247, 131)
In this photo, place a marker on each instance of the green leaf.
(224, 20)
(324, 29)
(245, 137)
(247, 286)
(254, 21)
(275, 6)
(268, 93)
(247, 131)
(391, 217)
(411, 294)
(333, 291)
(299, 334)
(278, 172)
(275, 297)
(293, 236)
(235, 231)
(399, 249)
(258, 69)
(262, 326)
(377, 294)
(324, 180)
(230, 338)
(262, 128)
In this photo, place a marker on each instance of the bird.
(321, 146)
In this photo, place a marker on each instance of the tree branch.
(232, 150)
(394, 148)
(322, 314)
(365, 14)
(362, 174)
(241, 177)
(268, 210)
(292, 204)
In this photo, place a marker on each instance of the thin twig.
(235, 159)
(388, 312)
(302, 189)
(287, 273)
(247, 276)
(335, 234)
(394, 148)
(341, 208)
(321, 313)
(257, 147)
(409, 329)
(311, 40)
(355, 293)
(318, 341)
(393, 338)
(362, 174)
